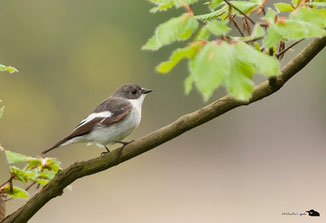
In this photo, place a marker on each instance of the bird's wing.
(117, 109)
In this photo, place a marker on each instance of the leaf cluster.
(36, 170)
(217, 56)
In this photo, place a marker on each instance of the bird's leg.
(107, 151)
(123, 144)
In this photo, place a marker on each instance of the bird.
(111, 121)
(312, 212)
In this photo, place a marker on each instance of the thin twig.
(287, 48)
(241, 12)
(235, 23)
(253, 40)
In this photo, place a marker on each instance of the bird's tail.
(58, 144)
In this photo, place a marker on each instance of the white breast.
(120, 130)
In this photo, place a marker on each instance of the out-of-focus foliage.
(36, 170)
(216, 58)
(180, 28)
(9, 69)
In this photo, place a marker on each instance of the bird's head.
(131, 91)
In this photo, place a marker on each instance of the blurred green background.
(249, 165)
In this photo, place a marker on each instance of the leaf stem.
(241, 12)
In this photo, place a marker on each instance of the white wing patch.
(105, 114)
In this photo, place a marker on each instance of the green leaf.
(316, 4)
(22, 175)
(51, 164)
(16, 193)
(1, 111)
(34, 163)
(210, 67)
(302, 23)
(179, 28)
(188, 84)
(272, 37)
(245, 6)
(13, 157)
(262, 63)
(43, 182)
(270, 15)
(9, 69)
(47, 174)
(162, 7)
(203, 33)
(220, 63)
(257, 46)
(283, 7)
(257, 32)
(218, 27)
(295, 2)
(215, 3)
(212, 15)
(176, 57)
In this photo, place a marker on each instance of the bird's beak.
(146, 91)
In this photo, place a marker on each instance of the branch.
(189, 121)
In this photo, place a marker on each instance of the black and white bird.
(111, 121)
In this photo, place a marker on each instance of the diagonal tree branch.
(81, 169)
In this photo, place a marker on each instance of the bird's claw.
(123, 145)
(104, 153)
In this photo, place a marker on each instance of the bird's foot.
(106, 152)
(123, 145)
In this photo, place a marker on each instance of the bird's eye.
(134, 91)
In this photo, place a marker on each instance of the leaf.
(316, 4)
(212, 15)
(245, 6)
(9, 69)
(188, 84)
(220, 63)
(2, 208)
(161, 7)
(283, 7)
(16, 193)
(43, 182)
(47, 174)
(33, 163)
(179, 28)
(214, 4)
(218, 27)
(272, 37)
(302, 23)
(270, 15)
(257, 32)
(262, 63)
(13, 157)
(176, 57)
(295, 2)
(210, 67)
(20, 174)
(1, 111)
(51, 164)
(203, 33)
(257, 46)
